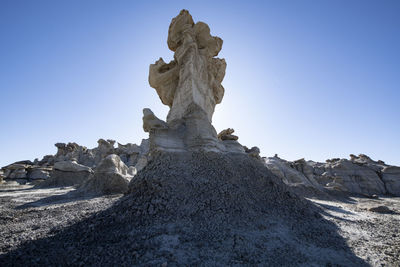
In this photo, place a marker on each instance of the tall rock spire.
(191, 86)
(194, 76)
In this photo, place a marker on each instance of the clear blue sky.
(313, 79)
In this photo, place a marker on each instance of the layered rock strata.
(79, 159)
(67, 173)
(357, 175)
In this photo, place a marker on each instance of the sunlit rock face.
(191, 86)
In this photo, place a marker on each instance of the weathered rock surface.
(359, 175)
(22, 171)
(300, 182)
(391, 178)
(39, 173)
(150, 121)
(72, 158)
(355, 178)
(111, 176)
(253, 152)
(67, 173)
(71, 166)
(129, 153)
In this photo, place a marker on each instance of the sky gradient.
(312, 79)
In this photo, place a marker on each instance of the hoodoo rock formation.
(73, 164)
(191, 86)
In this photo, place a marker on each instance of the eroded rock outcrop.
(72, 158)
(25, 171)
(391, 177)
(299, 181)
(111, 176)
(67, 173)
(359, 175)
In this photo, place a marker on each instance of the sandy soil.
(28, 214)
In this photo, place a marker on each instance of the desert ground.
(28, 214)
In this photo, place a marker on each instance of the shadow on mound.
(197, 209)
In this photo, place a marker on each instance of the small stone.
(380, 209)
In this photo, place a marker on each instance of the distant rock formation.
(73, 164)
(359, 175)
(67, 173)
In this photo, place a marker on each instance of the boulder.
(227, 134)
(391, 178)
(111, 176)
(381, 209)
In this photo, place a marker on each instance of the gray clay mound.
(197, 209)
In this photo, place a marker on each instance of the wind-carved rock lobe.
(191, 86)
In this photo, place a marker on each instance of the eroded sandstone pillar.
(191, 86)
